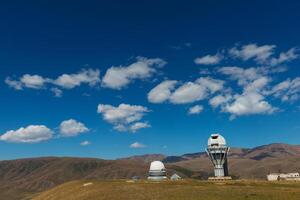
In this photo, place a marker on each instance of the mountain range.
(20, 179)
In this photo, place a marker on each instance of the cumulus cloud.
(252, 51)
(124, 117)
(119, 77)
(138, 125)
(263, 54)
(249, 103)
(254, 82)
(212, 85)
(57, 92)
(27, 80)
(219, 100)
(85, 143)
(209, 59)
(243, 75)
(195, 110)
(33, 81)
(137, 145)
(65, 81)
(71, 127)
(187, 93)
(246, 76)
(17, 85)
(257, 85)
(29, 134)
(288, 90)
(69, 81)
(162, 91)
(285, 57)
(123, 113)
(134, 127)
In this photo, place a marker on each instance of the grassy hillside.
(23, 177)
(20, 178)
(179, 190)
(247, 163)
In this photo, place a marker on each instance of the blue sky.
(113, 79)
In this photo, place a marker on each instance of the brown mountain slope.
(38, 174)
(25, 176)
(147, 158)
(250, 163)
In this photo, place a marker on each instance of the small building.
(135, 178)
(175, 177)
(157, 171)
(284, 177)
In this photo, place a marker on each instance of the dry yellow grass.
(178, 190)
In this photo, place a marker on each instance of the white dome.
(216, 140)
(157, 166)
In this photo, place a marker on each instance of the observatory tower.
(217, 151)
(157, 171)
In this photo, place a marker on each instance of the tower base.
(220, 178)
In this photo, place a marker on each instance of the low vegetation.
(176, 190)
(22, 178)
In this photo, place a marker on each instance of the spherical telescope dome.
(157, 166)
(216, 140)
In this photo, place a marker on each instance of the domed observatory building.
(157, 171)
(217, 151)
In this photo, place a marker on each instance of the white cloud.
(137, 145)
(209, 59)
(260, 54)
(249, 103)
(71, 127)
(188, 93)
(194, 91)
(219, 100)
(119, 77)
(133, 127)
(263, 54)
(285, 57)
(33, 81)
(123, 113)
(85, 143)
(66, 81)
(125, 117)
(213, 85)
(17, 85)
(27, 80)
(257, 85)
(139, 125)
(162, 91)
(243, 76)
(30, 134)
(195, 109)
(288, 90)
(69, 81)
(254, 82)
(57, 92)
